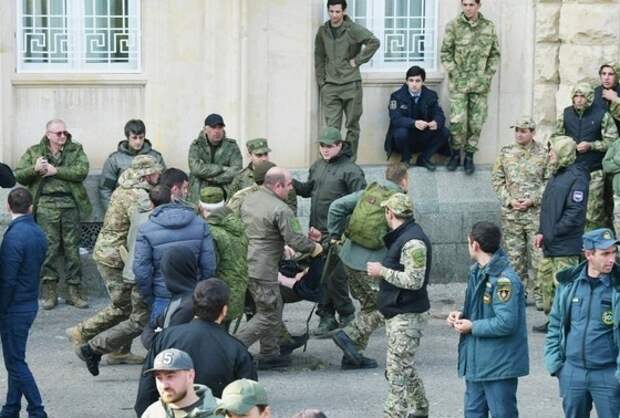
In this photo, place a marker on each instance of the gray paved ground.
(70, 392)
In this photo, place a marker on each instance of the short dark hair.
(487, 235)
(160, 195)
(134, 126)
(210, 297)
(396, 172)
(477, 1)
(343, 3)
(600, 70)
(416, 71)
(173, 177)
(19, 200)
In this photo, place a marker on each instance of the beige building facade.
(252, 61)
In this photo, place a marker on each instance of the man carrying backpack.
(363, 243)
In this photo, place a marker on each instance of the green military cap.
(240, 396)
(400, 204)
(211, 194)
(261, 169)
(330, 136)
(524, 122)
(258, 146)
(144, 165)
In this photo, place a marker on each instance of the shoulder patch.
(295, 225)
(503, 288)
(577, 196)
(418, 256)
(393, 104)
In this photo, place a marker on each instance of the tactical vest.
(586, 128)
(367, 225)
(395, 300)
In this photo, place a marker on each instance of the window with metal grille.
(407, 30)
(78, 36)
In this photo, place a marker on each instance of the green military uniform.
(212, 165)
(231, 246)
(119, 161)
(470, 55)
(340, 83)
(520, 173)
(596, 216)
(60, 202)
(611, 167)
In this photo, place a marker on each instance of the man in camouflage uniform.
(270, 225)
(261, 168)
(403, 301)
(120, 160)
(214, 159)
(54, 171)
(131, 195)
(470, 54)
(354, 256)
(340, 47)
(518, 179)
(594, 130)
(231, 246)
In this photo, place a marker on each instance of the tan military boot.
(49, 295)
(74, 298)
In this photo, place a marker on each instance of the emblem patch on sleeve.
(393, 105)
(503, 289)
(295, 225)
(418, 257)
(577, 196)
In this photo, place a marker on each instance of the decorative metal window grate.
(407, 30)
(78, 35)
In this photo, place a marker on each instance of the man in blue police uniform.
(582, 343)
(417, 123)
(493, 345)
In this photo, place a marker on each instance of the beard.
(170, 396)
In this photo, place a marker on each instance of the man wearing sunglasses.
(54, 171)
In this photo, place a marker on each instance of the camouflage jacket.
(245, 179)
(212, 165)
(132, 193)
(520, 172)
(72, 166)
(269, 225)
(470, 54)
(119, 161)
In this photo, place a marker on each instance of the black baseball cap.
(214, 120)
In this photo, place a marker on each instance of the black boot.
(346, 344)
(426, 163)
(91, 358)
(454, 161)
(295, 342)
(468, 163)
(365, 363)
(277, 361)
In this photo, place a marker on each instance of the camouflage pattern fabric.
(468, 112)
(366, 290)
(519, 243)
(617, 215)
(406, 390)
(244, 179)
(413, 258)
(596, 214)
(549, 267)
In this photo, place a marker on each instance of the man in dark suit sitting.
(417, 123)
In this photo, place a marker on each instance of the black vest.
(586, 128)
(395, 300)
(602, 103)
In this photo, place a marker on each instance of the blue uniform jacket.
(21, 256)
(559, 318)
(404, 111)
(496, 348)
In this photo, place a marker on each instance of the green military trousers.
(468, 112)
(519, 236)
(337, 99)
(596, 213)
(549, 267)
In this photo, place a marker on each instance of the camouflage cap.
(524, 122)
(400, 204)
(144, 165)
(260, 170)
(583, 89)
(242, 395)
(258, 146)
(330, 136)
(211, 194)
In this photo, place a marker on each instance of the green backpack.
(367, 224)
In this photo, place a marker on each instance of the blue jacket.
(496, 348)
(170, 225)
(559, 318)
(21, 256)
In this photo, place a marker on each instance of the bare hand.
(538, 240)
(432, 125)
(516, 204)
(463, 326)
(51, 171)
(420, 124)
(453, 317)
(526, 203)
(314, 234)
(374, 269)
(610, 94)
(352, 62)
(40, 166)
(584, 147)
(288, 252)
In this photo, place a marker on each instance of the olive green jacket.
(332, 54)
(212, 165)
(245, 179)
(73, 169)
(611, 165)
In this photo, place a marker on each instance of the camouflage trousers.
(366, 290)
(468, 112)
(406, 393)
(596, 213)
(617, 215)
(519, 243)
(121, 335)
(549, 267)
(266, 325)
(62, 229)
(337, 99)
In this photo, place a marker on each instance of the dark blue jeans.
(497, 397)
(14, 329)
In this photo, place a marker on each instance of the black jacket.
(600, 102)
(563, 211)
(7, 179)
(219, 358)
(404, 111)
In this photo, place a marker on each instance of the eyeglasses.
(59, 133)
